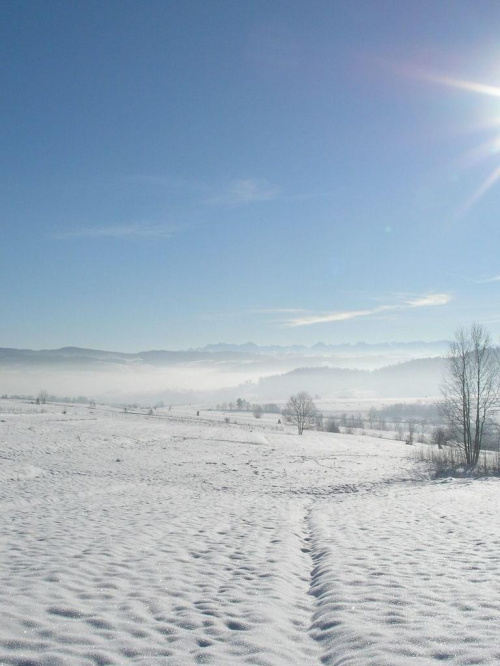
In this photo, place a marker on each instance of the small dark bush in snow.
(331, 426)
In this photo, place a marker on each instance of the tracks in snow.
(326, 628)
(321, 620)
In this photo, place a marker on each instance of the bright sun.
(486, 148)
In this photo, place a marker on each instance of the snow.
(176, 539)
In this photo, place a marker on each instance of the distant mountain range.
(229, 371)
(435, 348)
(360, 355)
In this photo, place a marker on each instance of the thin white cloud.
(495, 278)
(246, 191)
(344, 315)
(428, 300)
(125, 231)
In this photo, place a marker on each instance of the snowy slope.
(177, 539)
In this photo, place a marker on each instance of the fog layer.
(224, 373)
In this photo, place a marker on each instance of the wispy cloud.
(238, 192)
(137, 230)
(245, 191)
(343, 315)
(427, 300)
(495, 278)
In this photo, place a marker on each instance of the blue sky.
(180, 173)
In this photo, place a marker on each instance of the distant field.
(363, 405)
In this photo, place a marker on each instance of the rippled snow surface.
(176, 539)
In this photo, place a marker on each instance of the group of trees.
(44, 396)
(301, 411)
(406, 429)
(242, 405)
(469, 409)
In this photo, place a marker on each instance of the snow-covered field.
(177, 539)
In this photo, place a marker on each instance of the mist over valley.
(219, 372)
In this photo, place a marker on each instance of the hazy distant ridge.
(433, 348)
(416, 378)
(225, 352)
(78, 355)
(390, 369)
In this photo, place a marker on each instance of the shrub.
(258, 411)
(451, 461)
(331, 426)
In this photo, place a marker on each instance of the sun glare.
(485, 149)
(469, 86)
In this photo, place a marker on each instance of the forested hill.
(417, 378)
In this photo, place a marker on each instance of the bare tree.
(439, 437)
(372, 417)
(398, 427)
(411, 431)
(400, 431)
(43, 396)
(471, 389)
(301, 411)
